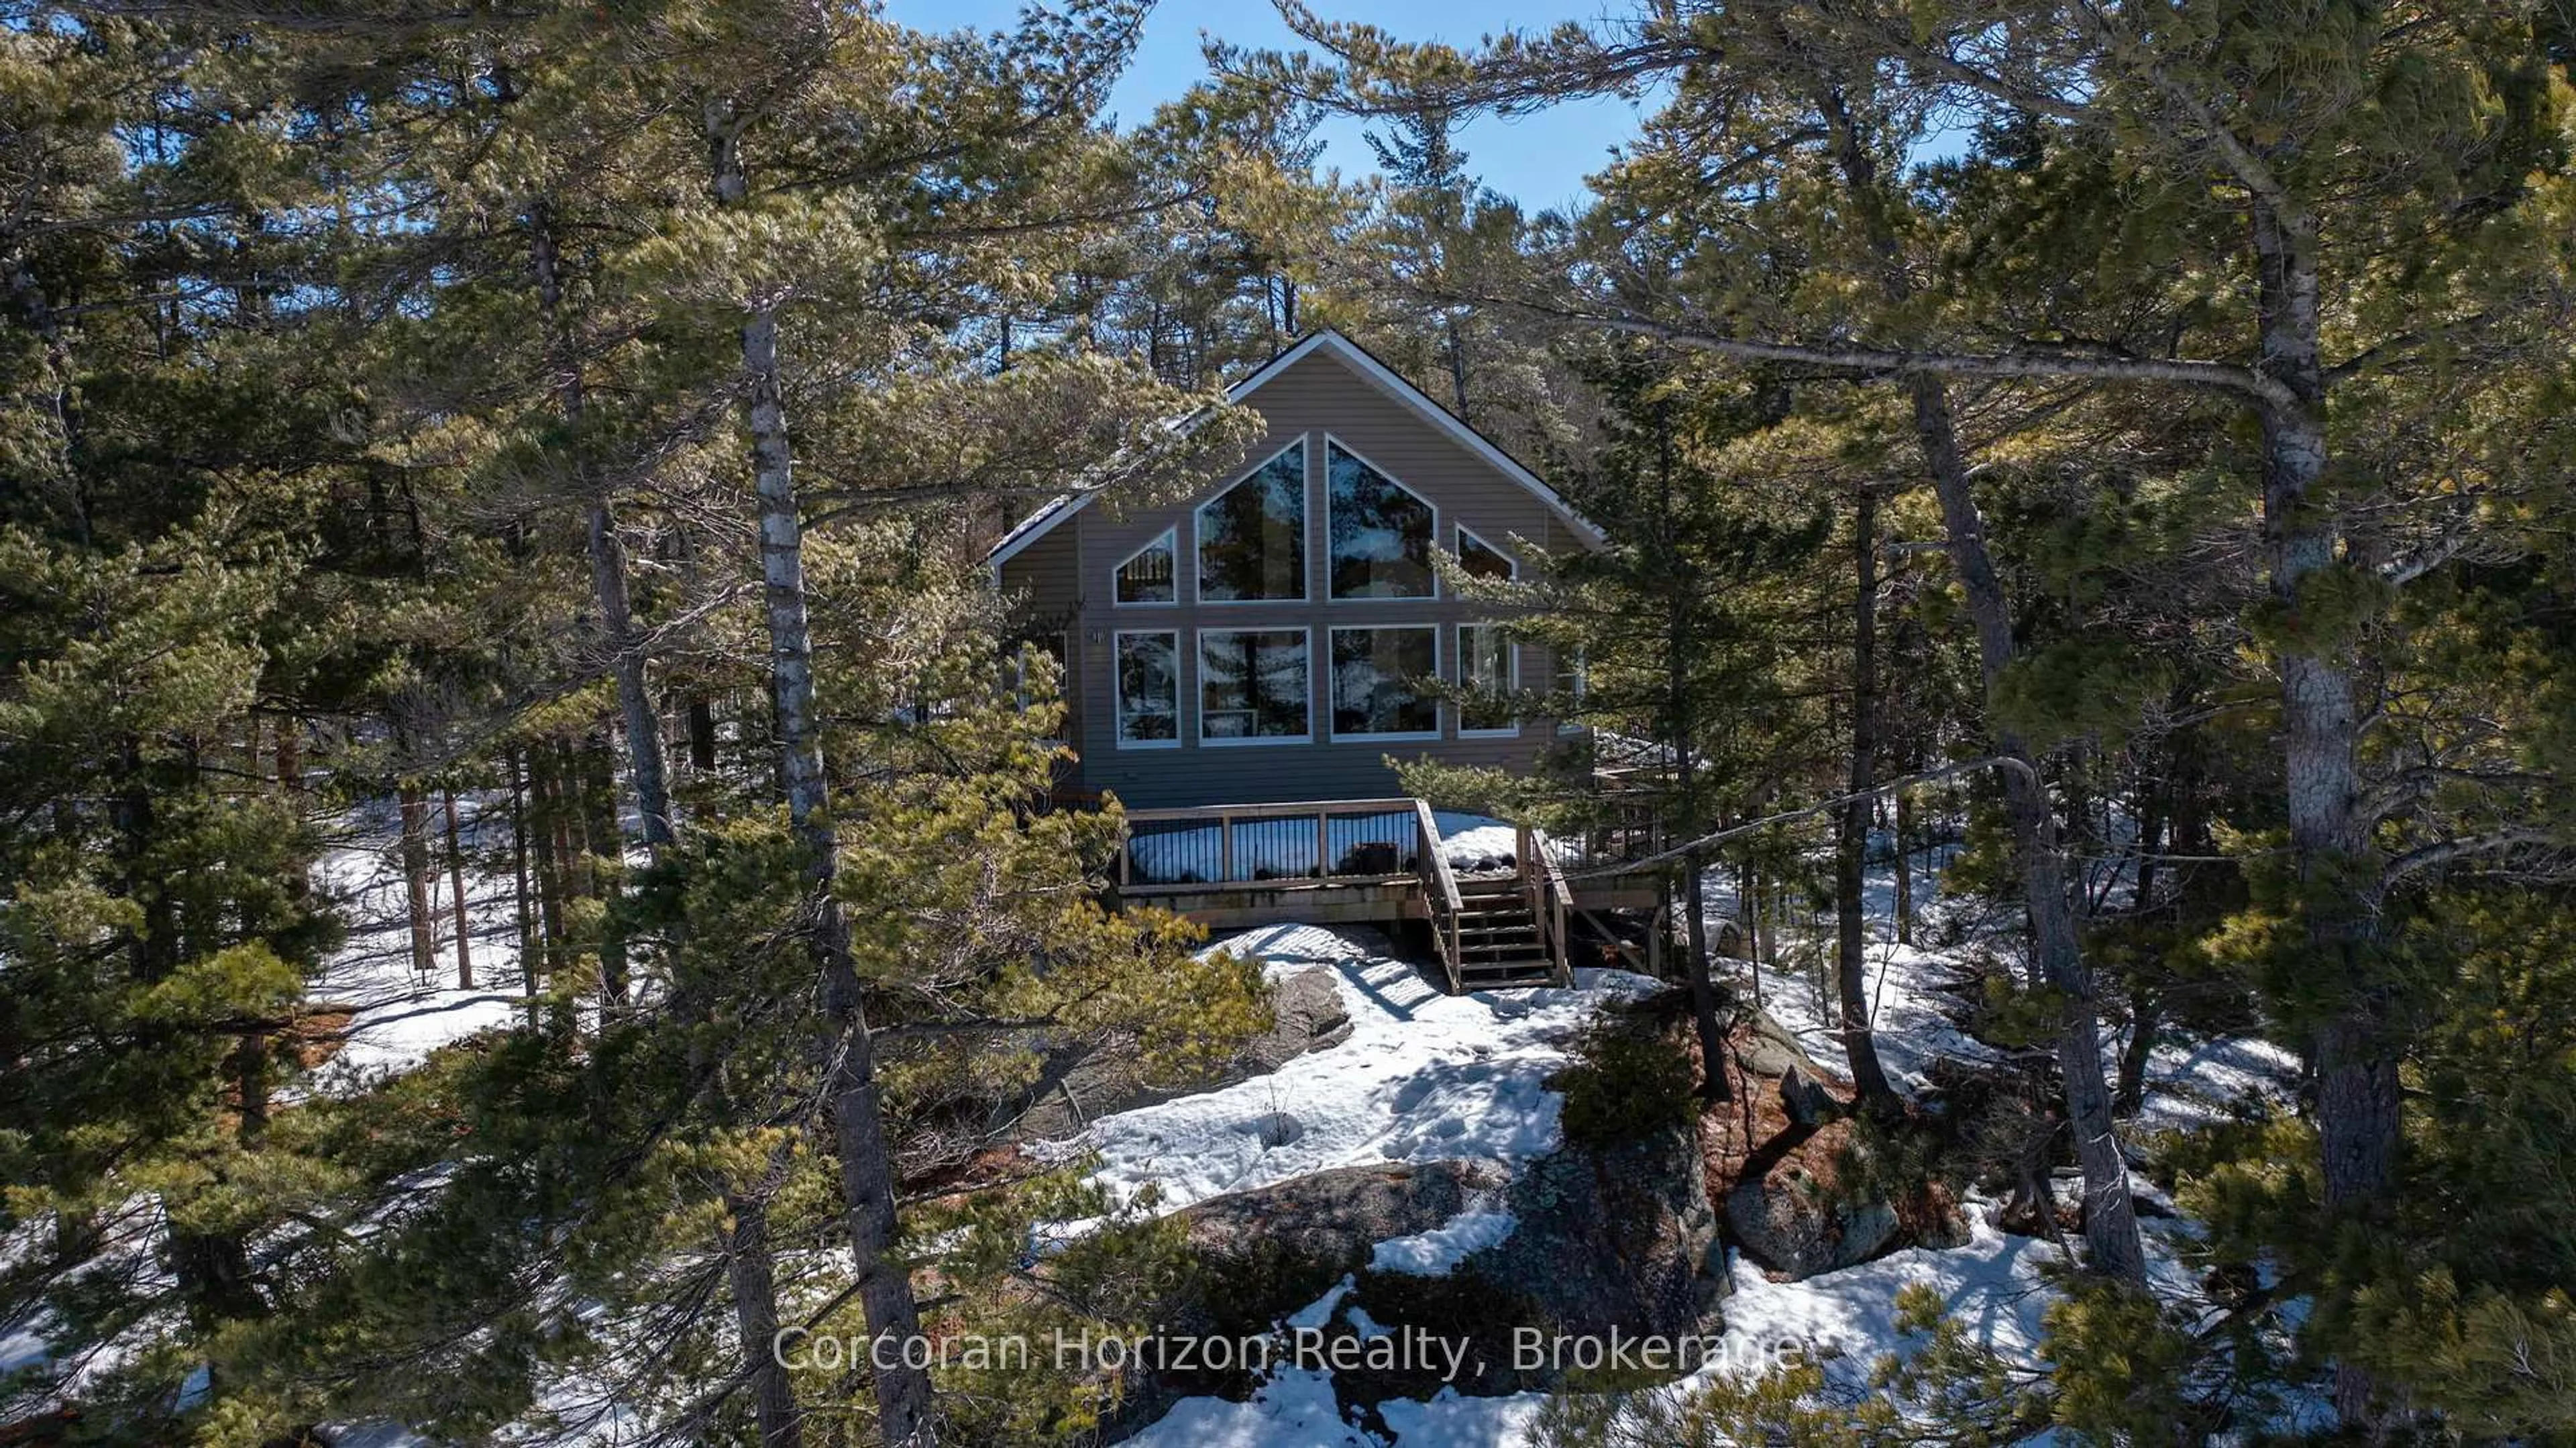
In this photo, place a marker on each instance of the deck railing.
(1440, 896)
(1179, 851)
(1550, 898)
(1626, 829)
(1170, 853)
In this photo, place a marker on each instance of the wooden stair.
(1498, 938)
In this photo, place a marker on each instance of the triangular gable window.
(1252, 536)
(1147, 576)
(1381, 531)
(1483, 559)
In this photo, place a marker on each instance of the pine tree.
(1678, 627)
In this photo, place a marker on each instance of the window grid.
(1253, 700)
(1299, 542)
(1166, 582)
(1473, 645)
(1467, 539)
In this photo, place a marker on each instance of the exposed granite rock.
(1080, 1085)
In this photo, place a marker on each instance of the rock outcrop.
(1790, 1213)
(1082, 1084)
(1799, 1204)
(1622, 1240)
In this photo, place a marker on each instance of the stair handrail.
(1439, 891)
(1549, 896)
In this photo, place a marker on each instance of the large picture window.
(1381, 533)
(1252, 536)
(1149, 690)
(1379, 683)
(1147, 576)
(1488, 672)
(1252, 686)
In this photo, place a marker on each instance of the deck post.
(1225, 846)
(1323, 849)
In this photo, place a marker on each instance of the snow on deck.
(1284, 849)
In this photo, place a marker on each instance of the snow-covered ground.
(1919, 994)
(1846, 1320)
(1423, 1076)
(1427, 1075)
(402, 1016)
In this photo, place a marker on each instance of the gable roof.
(1038, 524)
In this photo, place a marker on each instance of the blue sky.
(1539, 160)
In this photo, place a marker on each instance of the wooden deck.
(1375, 861)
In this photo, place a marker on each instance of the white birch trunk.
(885, 1295)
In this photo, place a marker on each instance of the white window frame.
(1324, 556)
(1169, 538)
(1198, 653)
(1020, 667)
(1459, 550)
(1577, 669)
(1305, 531)
(1118, 690)
(1438, 662)
(1511, 679)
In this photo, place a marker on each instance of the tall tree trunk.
(1904, 867)
(646, 770)
(1748, 903)
(1703, 987)
(456, 882)
(1851, 853)
(290, 751)
(519, 874)
(600, 826)
(904, 1407)
(554, 870)
(1682, 738)
(2151, 825)
(250, 1084)
(415, 867)
(702, 734)
(1457, 348)
(2145, 1017)
(2129, 1090)
(572, 834)
(751, 1278)
(2110, 1217)
(2356, 1051)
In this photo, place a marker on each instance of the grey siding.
(1068, 570)
(1047, 577)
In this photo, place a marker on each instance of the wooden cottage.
(1266, 638)
(1240, 665)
